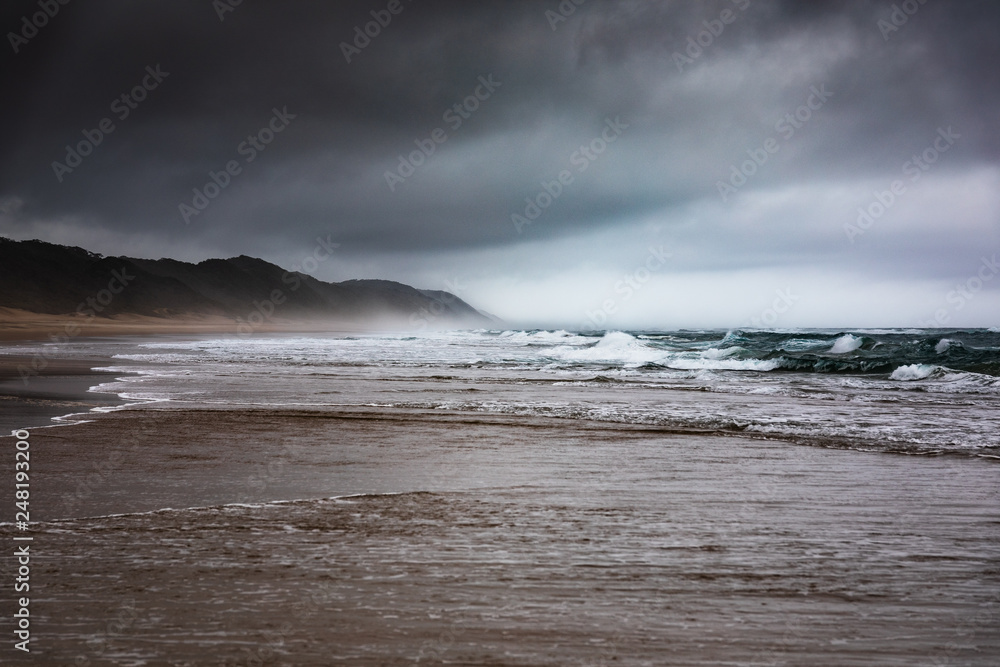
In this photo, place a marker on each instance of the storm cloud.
(531, 155)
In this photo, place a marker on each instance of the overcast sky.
(713, 155)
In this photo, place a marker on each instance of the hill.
(50, 279)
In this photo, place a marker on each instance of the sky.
(578, 164)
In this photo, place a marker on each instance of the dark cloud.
(689, 121)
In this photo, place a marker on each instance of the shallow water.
(503, 540)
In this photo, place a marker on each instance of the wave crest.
(845, 344)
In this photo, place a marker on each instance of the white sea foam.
(560, 336)
(943, 345)
(846, 343)
(800, 344)
(723, 364)
(613, 347)
(913, 372)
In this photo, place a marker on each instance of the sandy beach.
(21, 325)
(503, 541)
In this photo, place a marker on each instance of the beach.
(306, 519)
(499, 540)
(21, 325)
(34, 389)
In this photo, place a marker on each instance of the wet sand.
(509, 541)
(35, 389)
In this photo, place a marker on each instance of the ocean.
(517, 497)
(901, 390)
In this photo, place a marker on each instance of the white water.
(700, 380)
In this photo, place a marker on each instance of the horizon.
(659, 166)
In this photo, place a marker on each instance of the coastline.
(61, 387)
(35, 389)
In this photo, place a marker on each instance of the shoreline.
(59, 389)
(37, 389)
